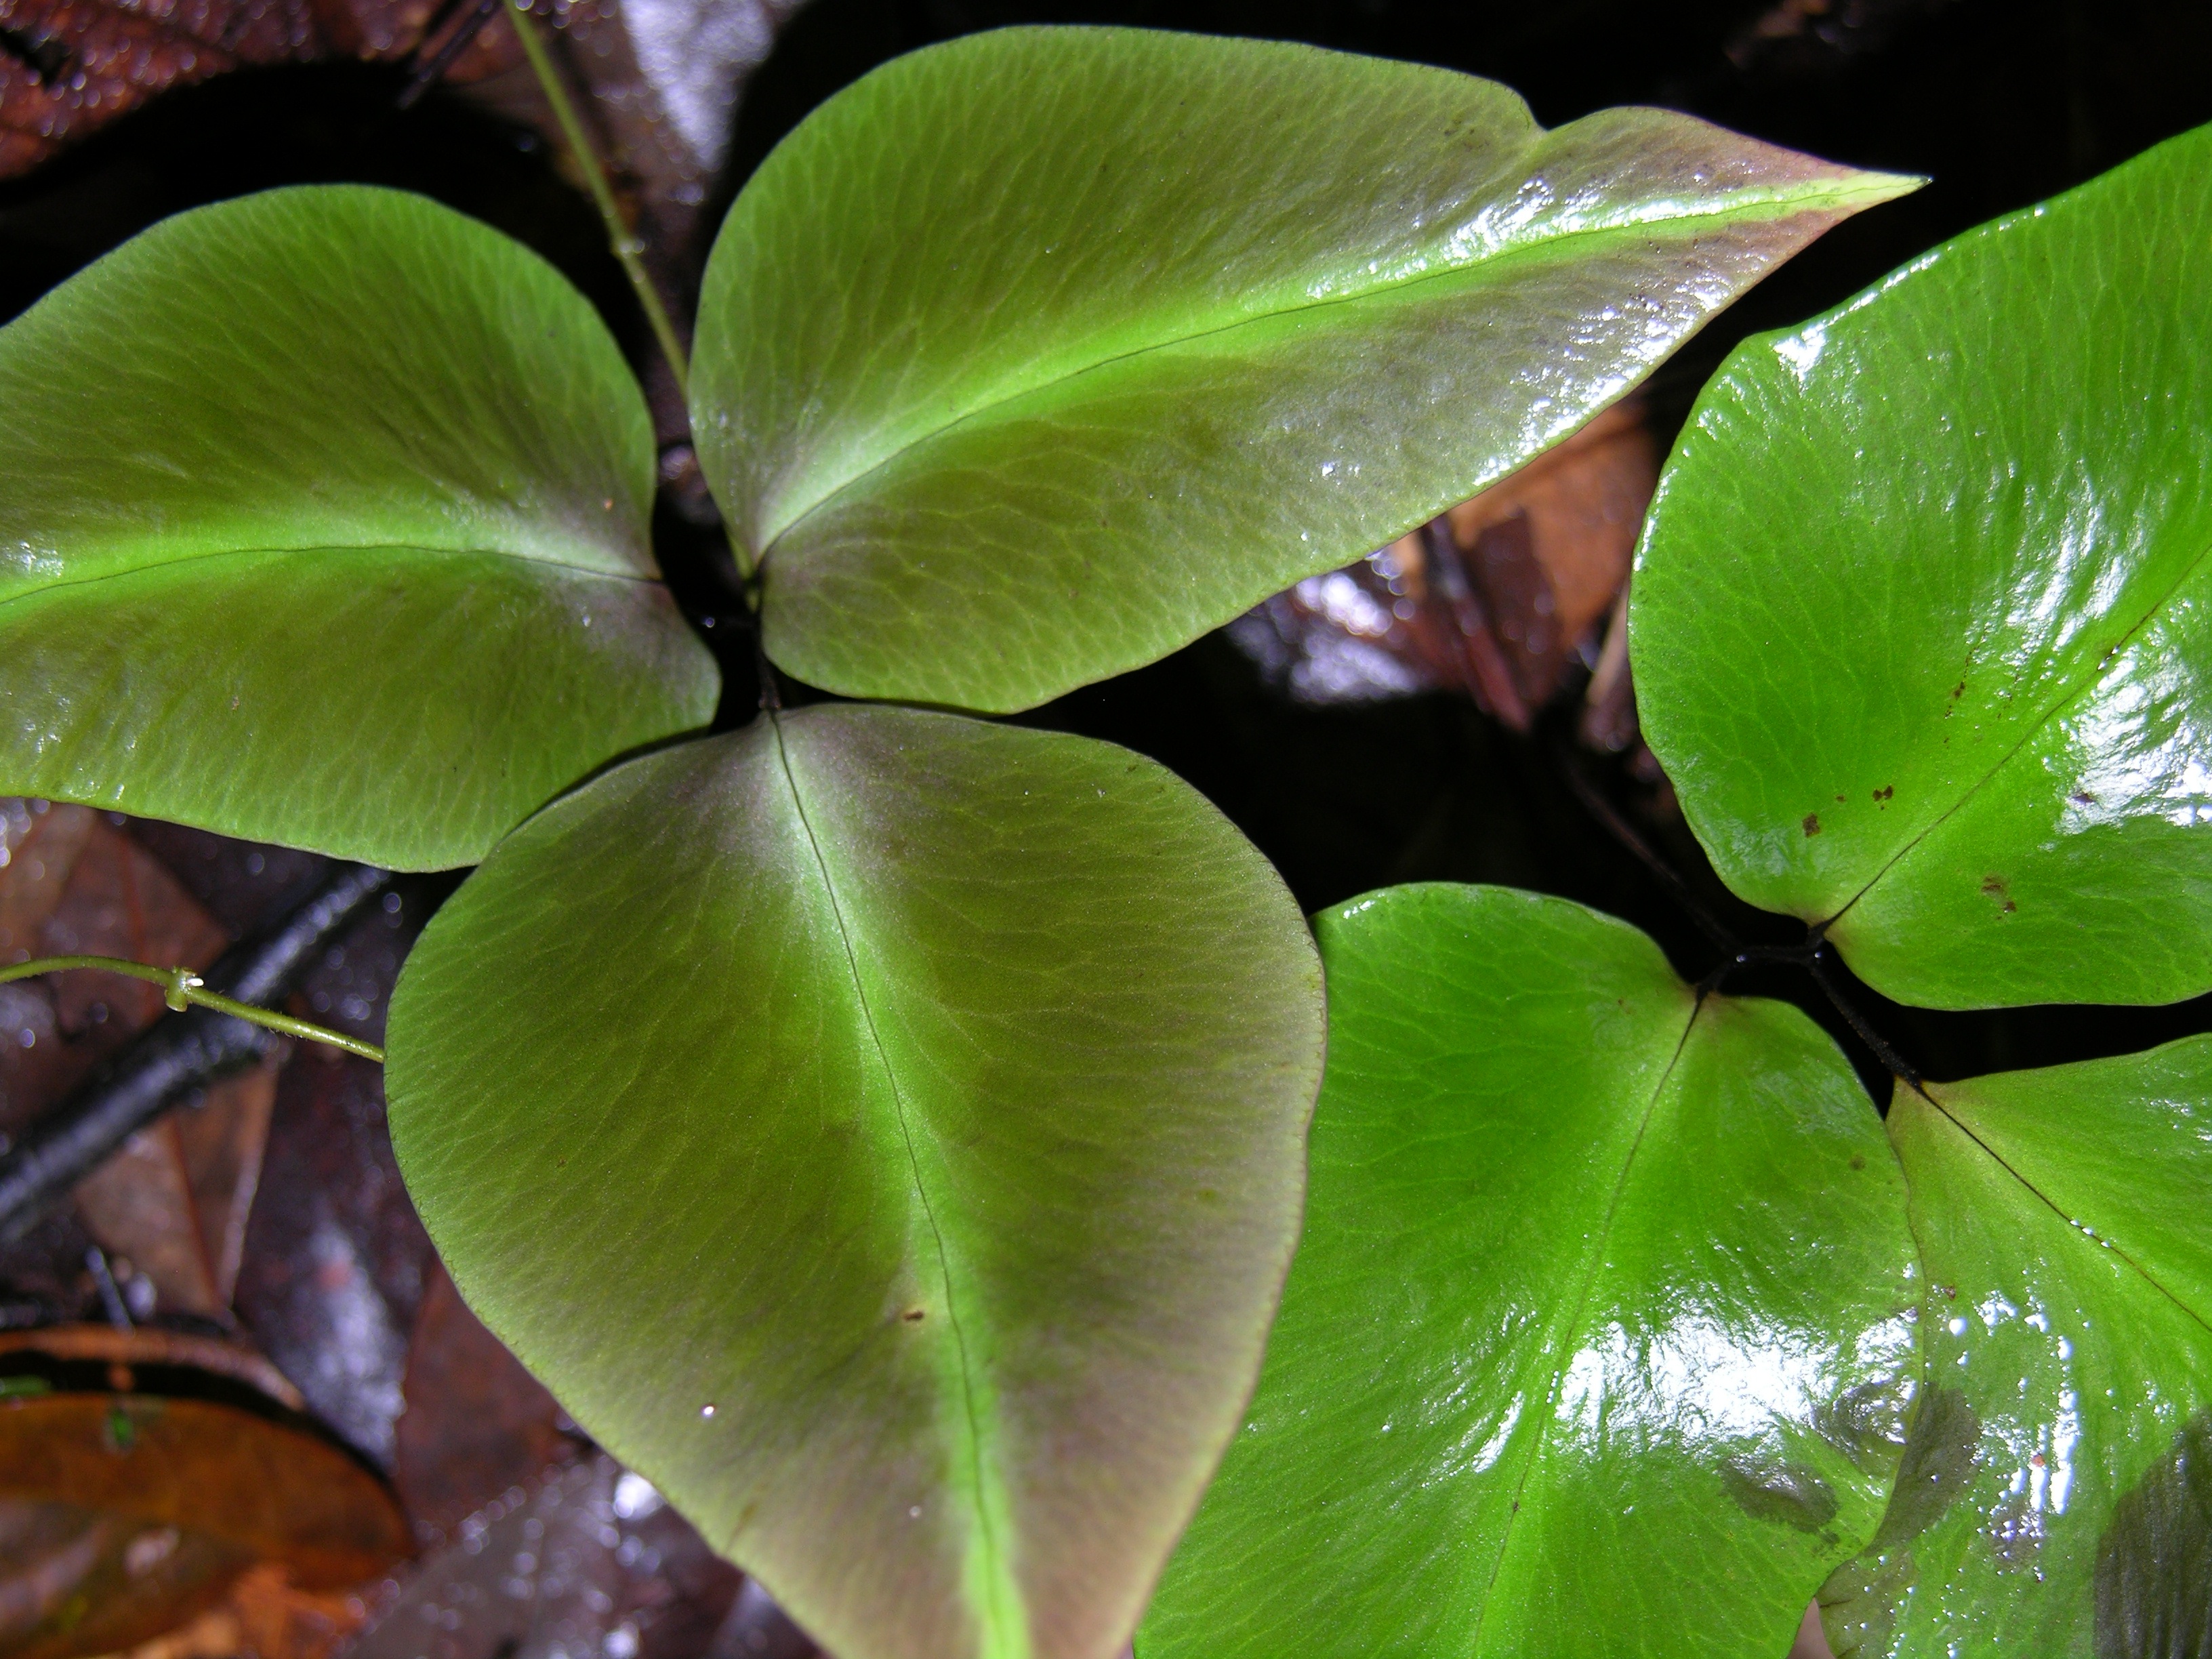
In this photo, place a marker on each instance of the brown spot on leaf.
(915, 1316)
(1885, 792)
(1996, 888)
(1812, 823)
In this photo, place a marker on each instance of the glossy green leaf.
(1598, 1337)
(1918, 626)
(323, 520)
(1033, 355)
(886, 1131)
(2056, 1499)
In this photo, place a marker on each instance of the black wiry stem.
(1811, 955)
(1897, 1065)
(428, 71)
(1601, 809)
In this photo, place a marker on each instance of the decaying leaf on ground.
(265, 1614)
(127, 1515)
(170, 1207)
(127, 1355)
(70, 67)
(589, 1560)
(1497, 598)
(476, 1423)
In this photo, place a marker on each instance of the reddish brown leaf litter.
(170, 1208)
(69, 67)
(1502, 598)
(476, 1423)
(130, 1515)
(128, 1354)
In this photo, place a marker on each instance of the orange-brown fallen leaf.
(266, 1616)
(123, 1517)
(146, 1346)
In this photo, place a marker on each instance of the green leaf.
(1034, 355)
(1598, 1337)
(886, 1131)
(2060, 1497)
(323, 520)
(1919, 627)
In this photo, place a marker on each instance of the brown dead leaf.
(335, 1259)
(1584, 503)
(171, 1205)
(124, 1516)
(1498, 598)
(75, 1580)
(266, 1616)
(70, 67)
(140, 1348)
(476, 1424)
(119, 901)
(275, 1492)
(39, 847)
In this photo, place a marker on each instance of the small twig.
(428, 71)
(181, 988)
(111, 1299)
(178, 1053)
(627, 247)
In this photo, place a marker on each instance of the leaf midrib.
(1593, 1265)
(2032, 730)
(982, 1508)
(2075, 1228)
(63, 584)
(1800, 198)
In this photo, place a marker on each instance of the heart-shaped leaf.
(2058, 1492)
(1036, 355)
(1919, 618)
(884, 1130)
(323, 520)
(1598, 1339)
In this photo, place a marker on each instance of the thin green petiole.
(181, 988)
(626, 246)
